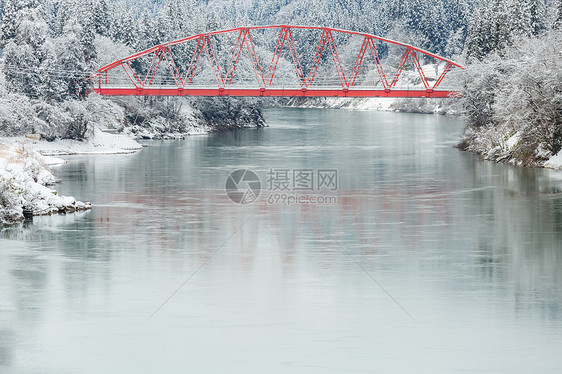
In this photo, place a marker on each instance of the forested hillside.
(51, 47)
(437, 25)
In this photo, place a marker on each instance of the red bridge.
(227, 63)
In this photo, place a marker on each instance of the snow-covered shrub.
(518, 93)
(11, 199)
(52, 119)
(109, 51)
(530, 96)
(17, 116)
(104, 113)
(482, 80)
(80, 120)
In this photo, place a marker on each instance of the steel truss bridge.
(227, 63)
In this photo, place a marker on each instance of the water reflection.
(451, 237)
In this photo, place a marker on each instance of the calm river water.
(413, 258)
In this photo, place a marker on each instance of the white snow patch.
(99, 143)
(555, 162)
(53, 161)
(511, 142)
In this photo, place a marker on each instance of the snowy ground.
(555, 162)
(25, 174)
(99, 143)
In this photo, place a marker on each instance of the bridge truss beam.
(144, 84)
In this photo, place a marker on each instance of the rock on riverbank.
(24, 186)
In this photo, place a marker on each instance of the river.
(374, 246)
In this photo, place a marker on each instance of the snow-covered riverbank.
(450, 107)
(25, 178)
(99, 143)
(514, 104)
(507, 145)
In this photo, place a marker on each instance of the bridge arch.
(324, 69)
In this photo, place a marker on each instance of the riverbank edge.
(501, 146)
(447, 107)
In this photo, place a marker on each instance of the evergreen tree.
(51, 85)
(163, 27)
(71, 58)
(49, 9)
(15, 11)
(100, 17)
(123, 25)
(481, 35)
(23, 52)
(538, 17)
(145, 32)
(558, 10)
(88, 32)
(61, 17)
(518, 19)
(9, 22)
(20, 66)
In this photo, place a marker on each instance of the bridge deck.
(273, 92)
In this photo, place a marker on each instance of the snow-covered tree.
(100, 17)
(71, 58)
(145, 32)
(537, 16)
(88, 34)
(530, 95)
(558, 14)
(517, 94)
(123, 25)
(482, 33)
(52, 84)
(10, 22)
(23, 53)
(14, 13)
